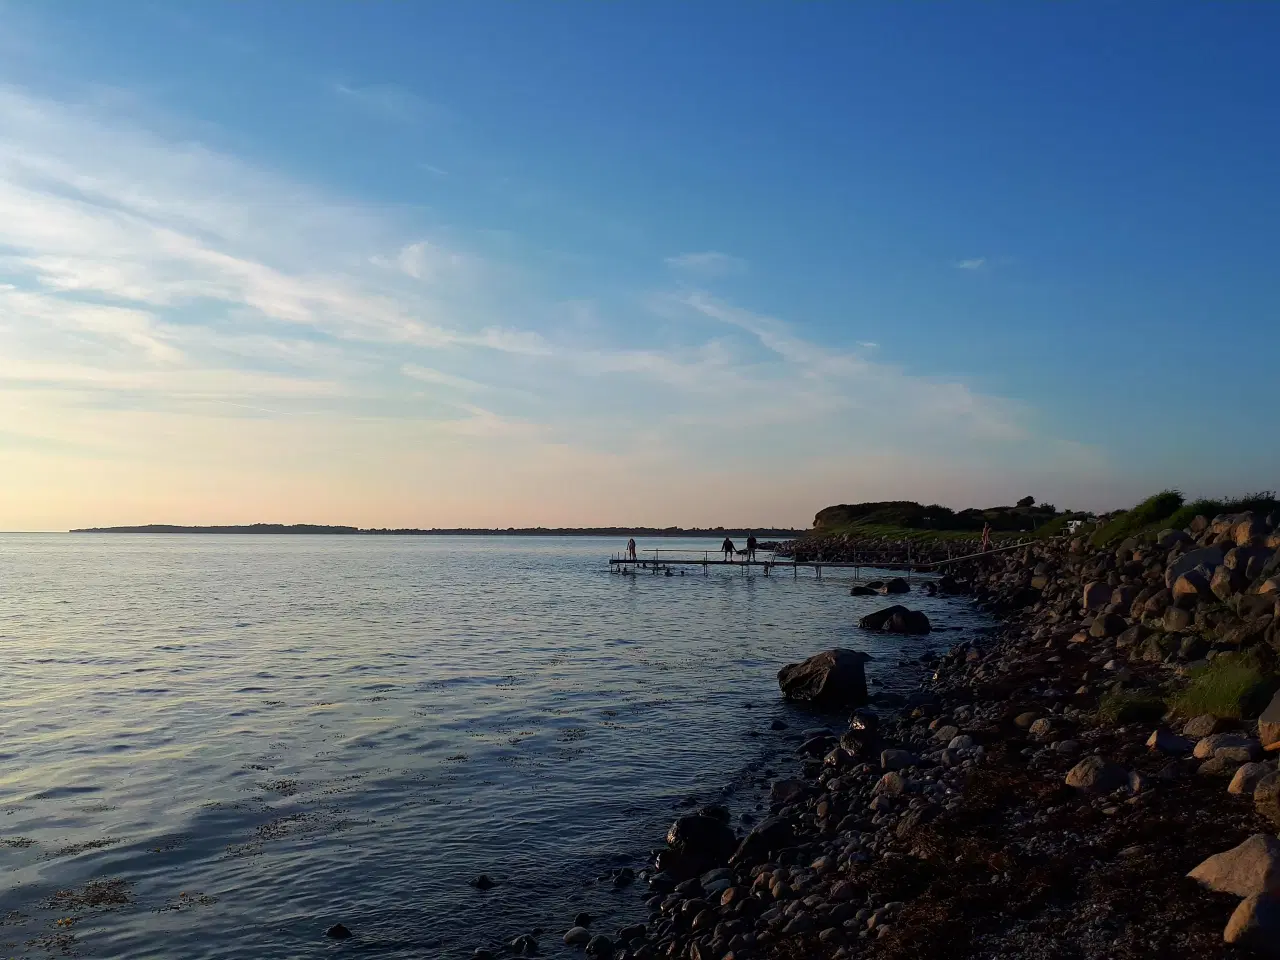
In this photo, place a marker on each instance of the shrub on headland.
(1264, 501)
(1130, 523)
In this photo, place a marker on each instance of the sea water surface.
(217, 746)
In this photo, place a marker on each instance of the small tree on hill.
(1026, 502)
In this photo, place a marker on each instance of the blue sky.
(509, 263)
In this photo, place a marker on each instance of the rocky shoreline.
(1053, 790)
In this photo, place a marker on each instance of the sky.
(535, 263)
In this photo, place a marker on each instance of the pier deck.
(659, 561)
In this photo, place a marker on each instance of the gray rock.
(831, 679)
(1266, 797)
(1208, 557)
(1164, 741)
(892, 784)
(600, 946)
(577, 936)
(1256, 924)
(1209, 746)
(1251, 868)
(962, 742)
(1097, 594)
(786, 792)
(1247, 778)
(1097, 775)
(946, 733)
(1041, 729)
(896, 619)
(1067, 746)
(702, 838)
(1202, 726)
(1269, 722)
(897, 759)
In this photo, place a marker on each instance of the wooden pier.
(664, 561)
(660, 561)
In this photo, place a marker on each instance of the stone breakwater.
(1044, 793)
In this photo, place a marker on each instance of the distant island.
(316, 528)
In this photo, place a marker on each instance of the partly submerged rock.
(896, 619)
(831, 679)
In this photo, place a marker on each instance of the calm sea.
(217, 746)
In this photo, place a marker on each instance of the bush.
(1235, 685)
(1149, 513)
(1263, 502)
(1130, 706)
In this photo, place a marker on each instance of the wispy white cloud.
(973, 263)
(708, 263)
(152, 288)
(385, 101)
(428, 375)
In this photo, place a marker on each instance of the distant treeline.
(907, 514)
(315, 528)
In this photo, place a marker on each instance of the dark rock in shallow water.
(600, 947)
(834, 678)
(338, 932)
(778, 725)
(896, 619)
(583, 920)
(701, 843)
(896, 585)
(860, 591)
(525, 945)
(482, 882)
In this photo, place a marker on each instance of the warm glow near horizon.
(394, 300)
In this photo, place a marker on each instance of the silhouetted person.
(727, 549)
(751, 547)
(631, 549)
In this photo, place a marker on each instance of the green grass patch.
(1235, 685)
(1262, 502)
(1131, 523)
(1130, 706)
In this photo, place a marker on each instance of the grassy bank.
(1168, 509)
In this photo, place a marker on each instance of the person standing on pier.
(727, 549)
(751, 546)
(631, 549)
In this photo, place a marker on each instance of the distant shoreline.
(279, 529)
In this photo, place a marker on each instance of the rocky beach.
(1093, 777)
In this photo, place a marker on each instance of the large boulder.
(1252, 530)
(896, 619)
(1255, 924)
(896, 585)
(1170, 537)
(702, 840)
(1252, 867)
(1208, 557)
(1097, 775)
(1097, 594)
(831, 679)
(1269, 723)
(1226, 583)
(1190, 588)
(1157, 603)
